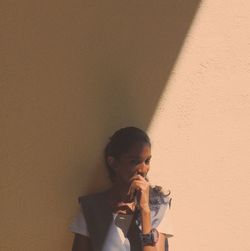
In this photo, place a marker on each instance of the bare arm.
(139, 183)
(146, 227)
(160, 245)
(81, 243)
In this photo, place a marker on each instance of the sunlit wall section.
(200, 132)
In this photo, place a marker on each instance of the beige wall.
(201, 131)
(73, 72)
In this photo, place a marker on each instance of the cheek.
(126, 172)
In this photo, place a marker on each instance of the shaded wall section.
(72, 72)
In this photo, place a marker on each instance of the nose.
(143, 169)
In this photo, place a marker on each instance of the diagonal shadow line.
(76, 72)
(134, 50)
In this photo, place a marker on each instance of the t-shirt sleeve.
(165, 225)
(79, 225)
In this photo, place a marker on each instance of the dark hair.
(121, 142)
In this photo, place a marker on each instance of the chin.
(125, 182)
(122, 181)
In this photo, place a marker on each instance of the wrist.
(146, 220)
(144, 208)
(150, 238)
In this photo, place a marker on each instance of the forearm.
(146, 227)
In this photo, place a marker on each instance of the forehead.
(138, 150)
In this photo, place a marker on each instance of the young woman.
(132, 215)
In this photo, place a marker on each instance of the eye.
(147, 161)
(134, 161)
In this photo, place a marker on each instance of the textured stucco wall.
(72, 73)
(201, 131)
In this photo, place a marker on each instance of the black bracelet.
(151, 238)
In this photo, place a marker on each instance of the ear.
(110, 161)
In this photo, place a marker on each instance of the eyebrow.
(137, 157)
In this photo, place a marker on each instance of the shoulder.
(91, 197)
(79, 225)
(81, 243)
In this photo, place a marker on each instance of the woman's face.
(135, 161)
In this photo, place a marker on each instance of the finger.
(141, 175)
(137, 183)
(132, 193)
(137, 177)
(144, 179)
(129, 191)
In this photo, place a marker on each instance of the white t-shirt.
(119, 226)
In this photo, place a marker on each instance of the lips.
(142, 174)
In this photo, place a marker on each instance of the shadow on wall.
(127, 54)
(75, 72)
(72, 74)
